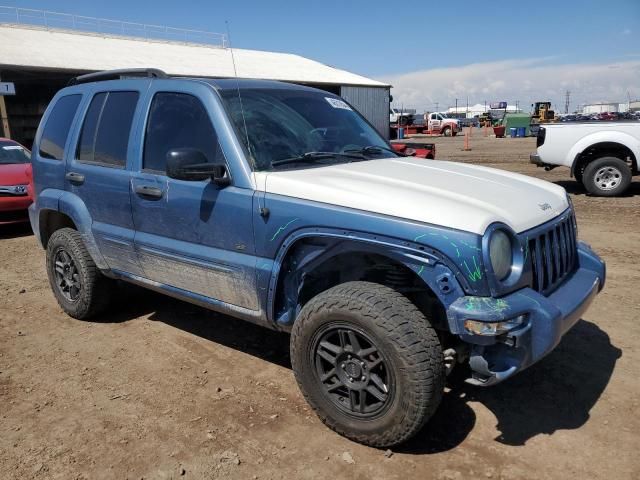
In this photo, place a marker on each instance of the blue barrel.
(513, 132)
(522, 131)
(400, 133)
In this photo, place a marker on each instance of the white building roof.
(22, 46)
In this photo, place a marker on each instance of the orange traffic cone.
(466, 147)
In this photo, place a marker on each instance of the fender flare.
(46, 200)
(622, 138)
(73, 206)
(437, 272)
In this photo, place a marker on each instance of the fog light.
(477, 327)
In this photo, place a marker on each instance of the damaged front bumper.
(543, 320)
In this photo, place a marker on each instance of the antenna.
(235, 74)
(264, 212)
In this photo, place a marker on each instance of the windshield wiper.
(312, 156)
(374, 149)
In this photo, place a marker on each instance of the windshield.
(12, 152)
(317, 128)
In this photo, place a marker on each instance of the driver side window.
(178, 120)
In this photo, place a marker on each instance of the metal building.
(41, 51)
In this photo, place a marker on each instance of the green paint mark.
(526, 249)
(421, 270)
(472, 247)
(476, 274)
(501, 305)
(497, 306)
(419, 237)
(457, 249)
(282, 229)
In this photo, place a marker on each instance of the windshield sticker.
(337, 103)
(13, 147)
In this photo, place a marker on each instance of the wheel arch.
(72, 212)
(50, 220)
(600, 144)
(312, 262)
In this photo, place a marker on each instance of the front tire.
(77, 283)
(446, 132)
(368, 362)
(607, 177)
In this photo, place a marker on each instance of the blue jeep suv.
(281, 205)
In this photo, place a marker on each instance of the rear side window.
(105, 132)
(56, 130)
(178, 120)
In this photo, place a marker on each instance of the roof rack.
(118, 74)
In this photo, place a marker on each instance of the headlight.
(500, 253)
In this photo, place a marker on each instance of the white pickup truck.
(401, 117)
(602, 156)
(438, 122)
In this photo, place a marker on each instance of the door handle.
(149, 191)
(74, 177)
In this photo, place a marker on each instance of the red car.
(16, 192)
(423, 150)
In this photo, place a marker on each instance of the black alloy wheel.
(353, 371)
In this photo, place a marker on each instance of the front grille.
(553, 254)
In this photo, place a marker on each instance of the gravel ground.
(162, 389)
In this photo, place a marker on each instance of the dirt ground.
(162, 389)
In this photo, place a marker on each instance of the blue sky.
(372, 37)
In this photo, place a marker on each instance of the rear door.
(50, 150)
(98, 171)
(192, 235)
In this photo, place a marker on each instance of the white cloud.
(526, 80)
(626, 31)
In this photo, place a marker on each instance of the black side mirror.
(191, 164)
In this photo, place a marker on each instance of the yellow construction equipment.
(542, 113)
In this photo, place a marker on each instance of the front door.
(97, 170)
(434, 123)
(191, 235)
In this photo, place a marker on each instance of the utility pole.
(567, 97)
(456, 106)
(485, 106)
(467, 111)
(437, 106)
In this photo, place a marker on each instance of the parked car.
(415, 149)
(468, 122)
(15, 178)
(603, 156)
(281, 205)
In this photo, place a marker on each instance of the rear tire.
(607, 177)
(77, 283)
(368, 362)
